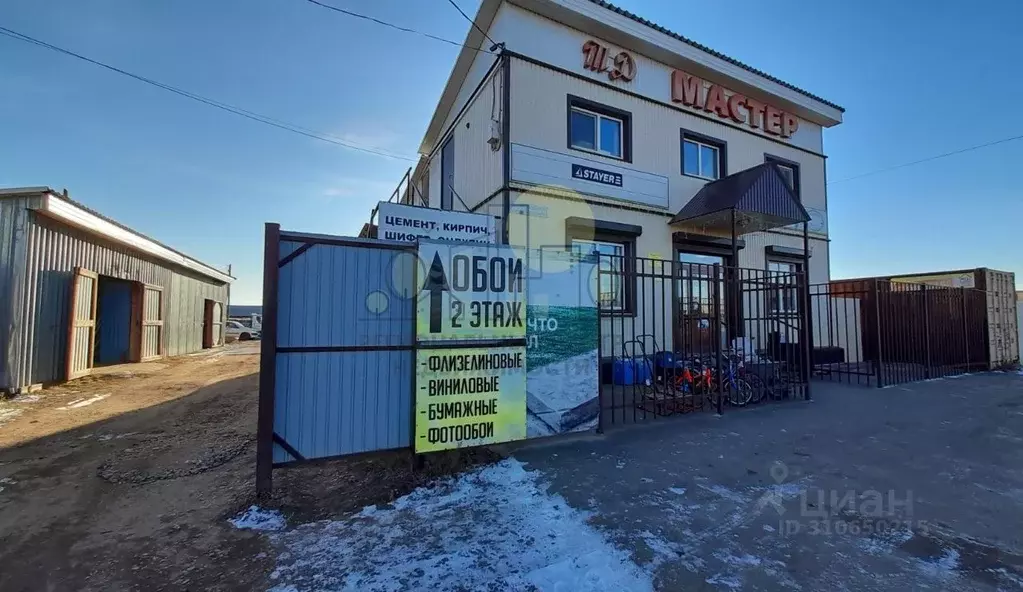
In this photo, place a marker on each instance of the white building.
(591, 127)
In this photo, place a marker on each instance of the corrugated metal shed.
(13, 222)
(38, 256)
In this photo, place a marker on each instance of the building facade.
(78, 290)
(578, 124)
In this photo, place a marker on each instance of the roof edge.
(67, 211)
(715, 53)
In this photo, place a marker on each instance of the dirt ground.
(125, 480)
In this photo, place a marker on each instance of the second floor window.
(789, 171)
(599, 129)
(701, 158)
(596, 133)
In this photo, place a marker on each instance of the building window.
(783, 296)
(789, 171)
(614, 293)
(702, 156)
(599, 129)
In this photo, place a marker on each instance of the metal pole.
(716, 291)
(808, 315)
(966, 334)
(876, 296)
(733, 288)
(927, 334)
(267, 361)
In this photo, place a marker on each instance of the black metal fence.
(881, 332)
(685, 337)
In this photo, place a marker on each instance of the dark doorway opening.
(113, 321)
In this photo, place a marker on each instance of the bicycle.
(740, 392)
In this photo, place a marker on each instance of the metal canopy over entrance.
(752, 200)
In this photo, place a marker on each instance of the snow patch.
(745, 560)
(732, 581)
(79, 403)
(724, 492)
(9, 414)
(943, 567)
(256, 518)
(27, 399)
(496, 528)
(884, 543)
(677, 490)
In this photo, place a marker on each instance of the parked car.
(235, 331)
(253, 321)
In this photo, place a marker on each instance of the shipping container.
(1003, 328)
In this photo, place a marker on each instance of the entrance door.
(152, 323)
(213, 324)
(783, 307)
(447, 174)
(698, 287)
(81, 342)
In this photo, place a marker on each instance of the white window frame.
(792, 171)
(617, 272)
(596, 134)
(782, 282)
(699, 157)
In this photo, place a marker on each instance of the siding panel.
(53, 251)
(334, 403)
(13, 229)
(539, 119)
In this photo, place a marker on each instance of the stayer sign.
(470, 292)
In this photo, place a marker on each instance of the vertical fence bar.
(966, 336)
(668, 379)
(927, 332)
(878, 353)
(268, 361)
(641, 278)
(715, 290)
(601, 354)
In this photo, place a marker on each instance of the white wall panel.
(553, 43)
(546, 167)
(539, 119)
(478, 168)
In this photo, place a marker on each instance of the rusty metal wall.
(52, 251)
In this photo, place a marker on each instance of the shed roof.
(68, 211)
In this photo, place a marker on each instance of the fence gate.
(679, 337)
(336, 366)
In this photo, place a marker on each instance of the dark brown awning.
(759, 196)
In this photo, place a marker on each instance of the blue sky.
(914, 83)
